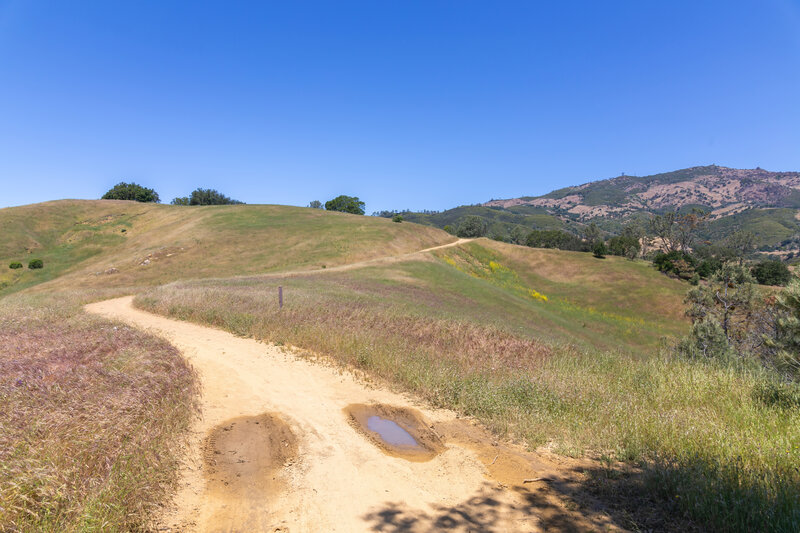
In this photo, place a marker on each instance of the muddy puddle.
(243, 456)
(397, 431)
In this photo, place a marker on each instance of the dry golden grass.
(83, 244)
(91, 419)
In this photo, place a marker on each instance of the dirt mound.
(413, 439)
(243, 456)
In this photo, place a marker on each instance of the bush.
(35, 263)
(778, 393)
(625, 246)
(15, 265)
(708, 267)
(771, 272)
(449, 229)
(679, 263)
(181, 200)
(397, 218)
(131, 191)
(556, 239)
(346, 204)
(599, 250)
(471, 226)
(210, 197)
(315, 204)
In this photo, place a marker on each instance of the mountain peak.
(720, 190)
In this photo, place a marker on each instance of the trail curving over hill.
(274, 450)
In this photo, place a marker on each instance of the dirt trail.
(361, 264)
(274, 451)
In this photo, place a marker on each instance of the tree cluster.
(205, 197)
(131, 191)
(346, 204)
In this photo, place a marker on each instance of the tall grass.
(708, 445)
(91, 418)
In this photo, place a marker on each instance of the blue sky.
(421, 105)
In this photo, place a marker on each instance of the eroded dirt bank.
(275, 450)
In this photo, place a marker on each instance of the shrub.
(625, 246)
(397, 218)
(346, 204)
(15, 265)
(599, 250)
(771, 272)
(315, 204)
(675, 262)
(556, 239)
(471, 226)
(131, 191)
(35, 263)
(449, 229)
(210, 197)
(181, 200)
(708, 267)
(778, 393)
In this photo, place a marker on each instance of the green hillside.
(102, 243)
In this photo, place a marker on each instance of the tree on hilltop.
(131, 191)
(210, 197)
(346, 204)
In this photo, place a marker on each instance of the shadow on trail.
(489, 510)
(597, 498)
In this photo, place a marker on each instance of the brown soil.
(243, 463)
(243, 456)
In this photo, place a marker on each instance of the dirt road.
(276, 450)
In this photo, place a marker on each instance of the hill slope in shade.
(102, 243)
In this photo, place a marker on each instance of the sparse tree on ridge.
(131, 191)
(181, 200)
(677, 232)
(315, 204)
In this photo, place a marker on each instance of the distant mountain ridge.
(721, 190)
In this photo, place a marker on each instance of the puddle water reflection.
(391, 432)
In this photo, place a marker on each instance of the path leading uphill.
(360, 264)
(276, 449)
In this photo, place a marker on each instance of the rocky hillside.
(722, 191)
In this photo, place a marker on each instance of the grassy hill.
(102, 243)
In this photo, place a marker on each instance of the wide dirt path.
(274, 450)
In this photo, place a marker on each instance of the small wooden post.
(280, 296)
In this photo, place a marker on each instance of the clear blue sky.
(405, 104)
